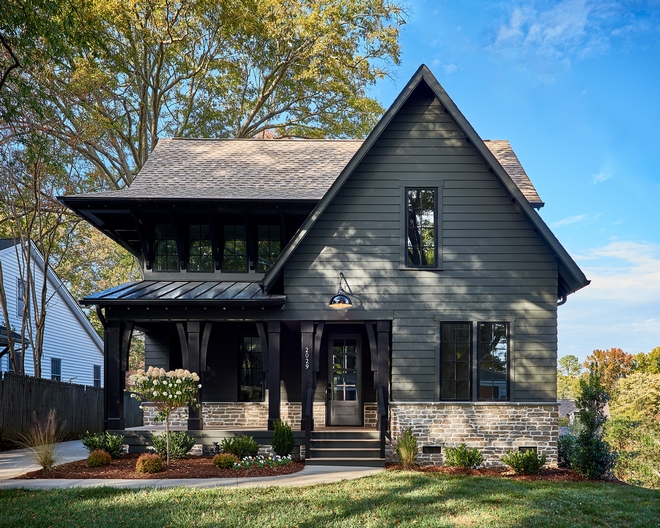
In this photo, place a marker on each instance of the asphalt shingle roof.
(235, 169)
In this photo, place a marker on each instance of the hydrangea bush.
(166, 391)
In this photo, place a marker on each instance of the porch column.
(382, 381)
(307, 367)
(273, 372)
(191, 352)
(116, 342)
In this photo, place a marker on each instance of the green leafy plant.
(463, 456)
(638, 450)
(225, 460)
(98, 458)
(565, 447)
(166, 391)
(149, 463)
(111, 443)
(591, 456)
(282, 438)
(240, 446)
(405, 449)
(41, 439)
(180, 444)
(524, 462)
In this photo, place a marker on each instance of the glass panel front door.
(344, 394)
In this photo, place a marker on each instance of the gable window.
(455, 352)
(268, 246)
(421, 223)
(200, 252)
(56, 369)
(97, 375)
(234, 255)
(492, 353)
(21, 298)
(166, 254)
(251, 370)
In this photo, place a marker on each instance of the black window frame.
(423, 184)
(56, 373)
(235, 256)
(21, 298)
(507, 365)
(470, 361)
(240, 370)
(198, 238)
(169, 240)
(270, 240)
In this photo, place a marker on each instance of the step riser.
(345, 462)
(346, 444)
(345, 453)
(323, 435)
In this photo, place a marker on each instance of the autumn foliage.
(610, 365)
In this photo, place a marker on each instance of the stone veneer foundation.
(252, 414)
(493, 428)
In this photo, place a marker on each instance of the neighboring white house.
(72, 349)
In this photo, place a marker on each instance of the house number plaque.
(306, 358)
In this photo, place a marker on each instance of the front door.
(344, 387)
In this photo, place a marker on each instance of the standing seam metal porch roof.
(210, 292)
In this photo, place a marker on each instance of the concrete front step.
(349, 452)
(345, 443)
(364, 462)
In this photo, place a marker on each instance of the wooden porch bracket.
(194, 339)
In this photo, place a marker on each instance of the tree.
(609, 365)
(637, 397)
(648, 363)
(230, 68)
(567, 387)
(569, 366)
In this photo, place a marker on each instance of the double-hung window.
(251, 370)
(166, 254)
(200, 249)
(97, 375)
(56, 369)
(456, 356)
(234, 255)
(421, 227)
(22, 300)
(493, 359)
(268, 246)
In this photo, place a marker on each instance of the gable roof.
(263, 169)
(571, 277)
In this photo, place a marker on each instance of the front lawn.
(386, 499)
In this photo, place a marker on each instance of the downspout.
(562, 300)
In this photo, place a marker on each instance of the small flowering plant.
(166, 391)
(262, 462)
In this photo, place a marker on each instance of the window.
(492, 354)
(56, 369)
(268, 246)
(97, 375)
(10, 365)
(200, 253)
(251, 370)
(455, 352)
(166, 254)
(421, 223)
(21, 298)
(234, 255)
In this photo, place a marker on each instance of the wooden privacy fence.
(80, 406)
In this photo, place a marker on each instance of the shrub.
(282, 438)
(98, 458)
(463, 456)
(591, 457)
(638, 450)
(149, 463)
(180, 444)
(524, 462)
(240, 446)
(405, 449)
(261, 462)
(111, 443)
(565, 447)
(224, 460)
(41, 439)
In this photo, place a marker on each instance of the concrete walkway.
(15, 463)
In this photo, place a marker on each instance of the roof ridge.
(263, 140)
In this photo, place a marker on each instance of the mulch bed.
(552, 474)
(189, 467)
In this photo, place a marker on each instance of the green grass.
(386, 499)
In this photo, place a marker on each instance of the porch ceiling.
(228, 293)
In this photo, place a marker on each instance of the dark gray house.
(253, 248)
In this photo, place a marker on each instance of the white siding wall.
(68, 335)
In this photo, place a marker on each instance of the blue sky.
(575, 87)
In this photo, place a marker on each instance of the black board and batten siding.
(493, 266)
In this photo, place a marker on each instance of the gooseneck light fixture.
(341, 300)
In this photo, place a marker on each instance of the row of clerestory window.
(234, 248)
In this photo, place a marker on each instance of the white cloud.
(583, 219)
(621, 306)
(450, 68)
(600, 177)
